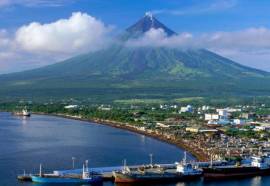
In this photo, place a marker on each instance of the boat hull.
(38, 179)
(121, 178)
(21, 114)
(233, 172)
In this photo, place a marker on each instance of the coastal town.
(208, 132)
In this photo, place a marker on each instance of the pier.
(107, 172)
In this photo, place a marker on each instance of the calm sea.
(53, 141)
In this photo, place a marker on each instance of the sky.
(35, 33)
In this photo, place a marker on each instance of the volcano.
(120, 72)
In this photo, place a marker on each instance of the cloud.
(252, 38)
(248, 39)
(34, 3)
(218, 5)
(159, 38)
(244, 46)
(37, 44)
(79, 33)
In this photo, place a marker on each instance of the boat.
(183, 171)
(24, 113)
(259, 165)
(85, 178)
(24, 177)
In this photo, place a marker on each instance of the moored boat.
(24, 112)
(183, 171)
(85, 178)
(258, 166)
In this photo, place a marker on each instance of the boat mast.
(211, 161)
(125, 164)
(73, 162)
(86, 165)
(185, 158)
(40, 170)
(151, 159)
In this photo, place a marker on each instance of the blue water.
(52, 141)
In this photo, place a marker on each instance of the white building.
(209, 117)
(71, 107)
(218, 122)
(188, 108)
(162, 125)
(223, 112)
(262, 128)
(104, 108)
(205, 107)
(239, 121)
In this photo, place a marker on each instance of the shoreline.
(198, 154)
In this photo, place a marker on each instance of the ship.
(259, 165)
(85, 178)
(24, 113)
(154, 173)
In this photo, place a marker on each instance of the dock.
(107, 172)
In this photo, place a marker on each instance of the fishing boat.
(85, 178)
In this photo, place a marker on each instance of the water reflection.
(256, 181)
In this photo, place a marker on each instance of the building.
(208, 117)
(223, 113)
(247, 115)
(219, 122)
(71, 106)
(162, 125)
(205, 108)
(192, 129)
(200, 130)
(188, 108)
(262, 127)
(239, 121)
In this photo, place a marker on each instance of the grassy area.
(188, 99)
(140, 101)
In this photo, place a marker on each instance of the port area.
(107, 172)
